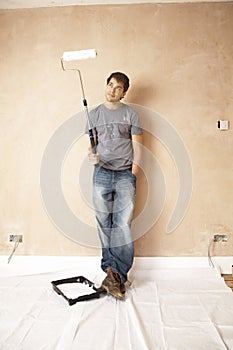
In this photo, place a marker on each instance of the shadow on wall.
(141, 94)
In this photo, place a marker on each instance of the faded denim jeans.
(114, 193)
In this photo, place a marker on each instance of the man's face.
(114, 91)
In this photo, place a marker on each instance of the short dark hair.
(120, 77)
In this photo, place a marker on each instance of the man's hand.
(93, 158)
(135, 169)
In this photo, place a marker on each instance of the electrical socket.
(16, 238)
(220, 238)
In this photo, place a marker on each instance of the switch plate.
(223, 124)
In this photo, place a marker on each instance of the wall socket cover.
(16, 238)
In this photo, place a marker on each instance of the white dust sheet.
(165, 308)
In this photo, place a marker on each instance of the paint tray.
(84, 287)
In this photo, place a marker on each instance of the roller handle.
(91, 136)
(92, 141)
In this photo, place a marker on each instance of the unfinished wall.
(179, 60)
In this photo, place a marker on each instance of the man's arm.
(137, 139)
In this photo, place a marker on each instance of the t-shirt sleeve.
(136, 128)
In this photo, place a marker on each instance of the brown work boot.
(122, 288)
(112, 284)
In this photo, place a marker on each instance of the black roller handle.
(91, 135)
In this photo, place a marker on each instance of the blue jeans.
(114, 193)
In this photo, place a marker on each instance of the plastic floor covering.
(165, 308)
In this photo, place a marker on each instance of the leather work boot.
(112, 284)
(122, 288)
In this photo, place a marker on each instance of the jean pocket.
(132, 176)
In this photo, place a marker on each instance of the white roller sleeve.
(79, 55)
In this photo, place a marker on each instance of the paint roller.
(69, 56)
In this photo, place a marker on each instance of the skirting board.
(22, 265)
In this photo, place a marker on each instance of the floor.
(166, 308)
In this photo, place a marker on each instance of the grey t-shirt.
(114, 129)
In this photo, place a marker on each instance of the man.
(116, 126)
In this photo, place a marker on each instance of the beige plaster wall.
(179, 59)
